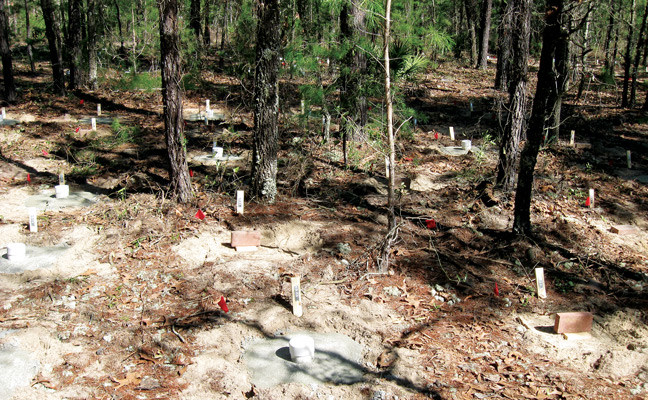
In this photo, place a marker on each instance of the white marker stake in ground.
(61, 178)
(207, 105)
(387, 167)
(296, 296)
(99, 110)
(4, 113)
(93, 121)
(451, 133)
(629, 156)
(540, 283)
(33, 224)
(572, 138)
(471, 107)
(591, 198)
(239, 201)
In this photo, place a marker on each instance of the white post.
(93, 121)
(572, 138)
(629, 156)
(61, 178)
(296, 296)
(99, 110)
(540, 283)
(33, 224)
(207, 105)
(4, 113)
(452, 133)
(591, 198)
(303, 107)
(239, 201)
(471, 107)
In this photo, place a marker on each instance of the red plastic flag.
(496, 289)
(45, 153)
(436, 135)
(587, 202)
(28, 178)
(223, 304)
(81, 102)
(191, 173)
(77, 129)
(430, 223)
(200, 215)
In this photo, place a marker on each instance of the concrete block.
(246, 238)
(573, 322)
(624, 229)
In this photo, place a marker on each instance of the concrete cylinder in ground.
(302, 349)
(16, 251)
(466, 144)
(62, 191)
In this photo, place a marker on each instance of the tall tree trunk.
(504, 48)
(392, 231)
(5, 51)
(583, 58)
(92, 44)
(471, 22)
(53, 33)
(638, 50)
(484, 33)
(194, 17)
(74, 43)
(539, 114)
(207, 16)
(607, 45)
(28, 34)
(627, 57)
(122, 49)
(172, 100)
(515, 123)
(266, 102)
(561, 70)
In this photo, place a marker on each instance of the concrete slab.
(201, 117)
(100, 120)
(17, 369)
(8, 122)
(209, 159)
(457, 150)
(338, 361)
(47, 201)
(35, 258)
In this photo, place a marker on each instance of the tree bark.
(92, 44)
(172, 100)
(53, 33)
(539, 114)
(28, 34)
(641, 39)
(515, 123)
(484, 34)
(471, 22)
(504, 48)
(627, 57)
(194, 17)
(74, 44)
(266, 102)
(607, 45)
(5, 52)
(207, 16)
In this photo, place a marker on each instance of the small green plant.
(144, 81)
(564, 285)
(124, 134)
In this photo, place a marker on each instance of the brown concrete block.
(246, 238)
(624, 229)
(572, 322)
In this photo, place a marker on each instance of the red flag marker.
(430, 223)
(81, 102)
(77, 129)
(496, 290)
(587, 202)
(28, 178)
(45, 153)
(407, 158)
(200, 215)
(436, 135)
(191, 173)
(223, 304)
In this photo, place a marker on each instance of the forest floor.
(130, 310)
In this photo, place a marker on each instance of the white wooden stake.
(4, 113)
(572, 138)
(591, 197)
(629, 156)
(93, 121)
(303, 107)
(207, 105)
(33, 223)
(452, 133)
(387, 167)
(239, 201)
(296, 296)
(471, 107)
(61, 178)
(99, 110)
(540, 283)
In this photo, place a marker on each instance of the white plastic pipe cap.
(466, 144)
(62, 191)
(302, 349)
(16, 251)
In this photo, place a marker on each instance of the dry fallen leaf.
(132, 378)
